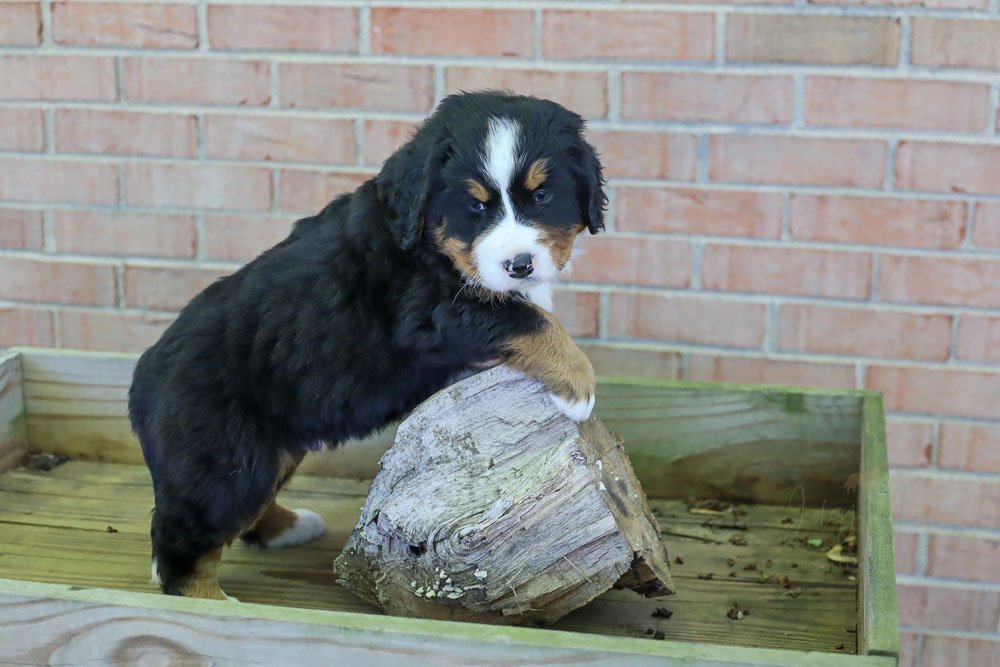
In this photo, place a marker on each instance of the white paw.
(155, 576)
(229, 598)
(578, 411)
(308, 526)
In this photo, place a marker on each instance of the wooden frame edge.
(13, 415)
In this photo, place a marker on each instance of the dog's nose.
(519, 267)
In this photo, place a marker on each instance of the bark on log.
(493, 506)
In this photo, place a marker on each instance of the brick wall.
(802, 192)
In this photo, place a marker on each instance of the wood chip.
(706, 577)
(836, 554)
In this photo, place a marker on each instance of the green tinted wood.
(13, 432)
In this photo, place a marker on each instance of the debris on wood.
(785, 582)
(840, 646)
(679, 560)
(704, 510)
(707, 576)
(836, 554)
(738, 539)
(111, 529)
(659, 634)
(769, 563)
(750, 567)
(559, 519)
(730, 562)
(736, 613)
(815, 542)
(793, 593)
(662, 612)
(44, 462)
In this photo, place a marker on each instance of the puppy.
(440, 264)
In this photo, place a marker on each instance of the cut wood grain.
(13, 433)
(494, 506)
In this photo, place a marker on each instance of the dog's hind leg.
(281, 527)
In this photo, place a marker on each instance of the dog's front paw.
(577, 410)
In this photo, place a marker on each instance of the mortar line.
(905, 42)
(720, 37)
(365, 30)
(201, 12)
(953, 348)
(49, 120)
(970, 225)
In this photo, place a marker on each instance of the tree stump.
(493, 506)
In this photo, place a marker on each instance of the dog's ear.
(406, 181)
(590, 185)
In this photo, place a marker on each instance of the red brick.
(687, 319)
(974, 447)
(786, 271)
(960, 652)
(38, 280)
(577, 311)
(124, 233)
(309, 191)
(724, 98)
(58, 78)
(209, 186)
(952, 608)
(586, 93)
(110, 331)
(953, 556)
(911, 442)
(979, 338)
(21, 129)
(166, 287)
(826, 40)
(864, 332)
(947, 167)
(926, 105)
(204, 81)
(633, 154)
(878, 221)
(797, 160)
(241, 238)
(20, 23)
(937, 391)
(284, 28)
(349, 86)
(956, 42)
(628, 34)
(63, 181)
(384, 137)
(909, 650)
(20, 230)
(280, 138)
(925, 497)
(452, 32)
(142, 25)
(25, 327)
(940, 280)
(904, 546)
(763, 370)
(633, 361)
(612, 259)
(126, 132)
(986, 223)
(692, 211)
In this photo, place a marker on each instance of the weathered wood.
(55, 530)
(13, 433)
(494, 506)
(685, 439)
(878, 630)
(57, 624)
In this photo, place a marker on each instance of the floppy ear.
(406, 181)
(590, 186)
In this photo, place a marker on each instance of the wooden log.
(493, 506)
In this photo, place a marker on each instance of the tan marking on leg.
(551, 355)
(203, 582)
(477, 190)
(274, 521)
(537, 173)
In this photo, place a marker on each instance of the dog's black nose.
(519, 267)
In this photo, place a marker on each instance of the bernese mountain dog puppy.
(440, 264)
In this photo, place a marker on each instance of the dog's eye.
(542, 196)
(478, 207)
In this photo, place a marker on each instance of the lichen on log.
(493, 506)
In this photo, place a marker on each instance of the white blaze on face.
(510, 236)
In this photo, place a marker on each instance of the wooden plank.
(13, 432)
(92, 626)
(878, 631)
(56, 524)
(685, 439)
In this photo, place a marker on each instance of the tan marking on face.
(560, 242)
(457, 251)
(203, 582)
(550, 355)
(537, 173)
(477, 190)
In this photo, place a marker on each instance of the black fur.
(338, 330)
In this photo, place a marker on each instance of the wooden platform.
(87, 524)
